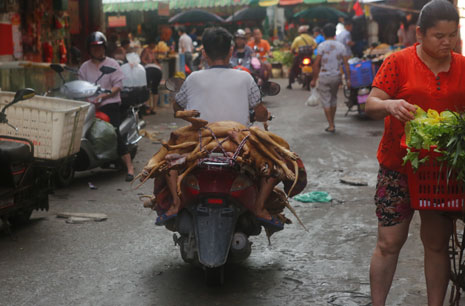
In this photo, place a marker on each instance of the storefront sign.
(116, 21)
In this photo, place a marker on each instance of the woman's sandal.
(330, 131)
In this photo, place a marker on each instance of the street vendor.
(221, 94)
(431, 76)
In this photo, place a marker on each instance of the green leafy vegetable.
(445, 132)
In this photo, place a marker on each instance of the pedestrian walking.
(154, 74)
(331, 54)
(430, 75)
(185, 46)
(345, 37)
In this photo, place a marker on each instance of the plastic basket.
(53, 125)
(429, 187)
(361, 74)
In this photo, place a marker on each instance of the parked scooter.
(216, 219)
(267, 88)
(88, 158)
(24, 180)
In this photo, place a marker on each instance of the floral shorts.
(392, 198)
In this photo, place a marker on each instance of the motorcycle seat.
(11, 151)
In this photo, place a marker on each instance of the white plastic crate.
(54, 125)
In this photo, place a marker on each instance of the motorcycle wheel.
(21, 217)
(64, 174)
(214, 276)
(307, 80)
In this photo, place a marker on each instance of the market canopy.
(129, 5)
(293, 2)
(248, 13)
(320, 12)
(195, 16)
(187, 4)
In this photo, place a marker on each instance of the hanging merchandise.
(6, 47)
(17, 37)
(47, 52)
(62, 52)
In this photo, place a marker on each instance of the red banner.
(6, 37)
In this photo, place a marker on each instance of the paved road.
(126, 260)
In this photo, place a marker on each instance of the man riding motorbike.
(108, 103)
(263, 48)
(219, 94)
(303, 45)
(241, 53)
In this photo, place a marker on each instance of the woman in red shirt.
(429, 75)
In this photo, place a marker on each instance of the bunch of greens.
(284, 57)
(444, 133)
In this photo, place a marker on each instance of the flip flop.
(162, 219)
(330, 131)
(273, 222)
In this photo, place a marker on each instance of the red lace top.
(403, 75)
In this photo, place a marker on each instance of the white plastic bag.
(314, 98)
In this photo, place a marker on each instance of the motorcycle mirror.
(22, 94)
(107, 70)
(271, 88)
(174, 84)
(57, 68)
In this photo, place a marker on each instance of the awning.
(110, 6)
(187, 4)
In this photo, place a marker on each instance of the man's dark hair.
(329, 30)
(182, 29)
(317, 29)
(216, 42)
(435, 11)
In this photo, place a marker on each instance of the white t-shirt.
(332, 55)
(185, 43)
(220, 94)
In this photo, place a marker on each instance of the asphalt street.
(127, 260)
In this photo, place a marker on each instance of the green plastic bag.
(314, 197)
(102, 137)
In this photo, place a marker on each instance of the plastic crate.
(54, 125)
(429, 187)
(361, 74)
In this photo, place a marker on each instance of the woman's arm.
(379, 105)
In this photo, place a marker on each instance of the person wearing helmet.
(303, 45)
(108, 103)
(242, 54)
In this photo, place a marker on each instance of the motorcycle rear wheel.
(214, 276)
(64, 174)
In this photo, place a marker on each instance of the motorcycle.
(87, 158)
(305, 75)
(216, 220)
(267, 88)
(24, 180)
(258, 71)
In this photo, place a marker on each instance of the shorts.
(154, 76)
(392, 197)
(327, 89)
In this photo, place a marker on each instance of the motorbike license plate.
(307, 69)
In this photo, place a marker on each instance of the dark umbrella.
(195, 16)
(320, 12)
(248, 13)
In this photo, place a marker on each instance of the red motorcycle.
(216, 219)
(305, 72)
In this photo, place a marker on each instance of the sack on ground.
(313, 99)
(103, 139)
